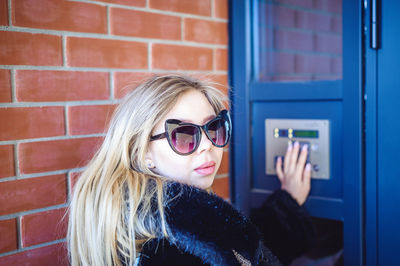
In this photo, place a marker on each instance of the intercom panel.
(313, 132)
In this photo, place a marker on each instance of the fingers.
(279, 169)
(287, 156)
(291, 157)
(302, 160)
(307, 176)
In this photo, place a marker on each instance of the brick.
(197, 7)
(313, 21)
(329, 5)
(43, 227)
(6, 161)
(125, 82)
(20, 48)
(5, 86)
(89, 119)
(8, 233)
(224, 167)
(221, 187)
(32, 193)
(221, 8)
(298, 3)
(73, 178)
(204, 31)
(31, 122)
(328, 43)
(64, 15)
(138, 3)
(49, 255)
(293, 40)
(337, 65)
(146, 25)
(221, 59)
(86, 52)
(282, 63)
(54, 155)
(282, 16)
(336, 25)
(312, 64)
(3, 13)
(176, 57)
(48, 86)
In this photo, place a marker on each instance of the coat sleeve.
(161, 252)
(286, 227)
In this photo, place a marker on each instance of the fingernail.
(308, 167)
(296, 144)
(305, 147)
(289, 146)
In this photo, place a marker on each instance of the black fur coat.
(206, 230)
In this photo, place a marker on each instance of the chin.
(204, 182)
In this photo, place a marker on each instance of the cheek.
(218, 155)
(167, 162)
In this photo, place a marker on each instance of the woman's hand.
(295, 175)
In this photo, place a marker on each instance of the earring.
(150, 164)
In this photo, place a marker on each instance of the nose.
(205, 143)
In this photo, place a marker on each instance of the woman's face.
(199, 168)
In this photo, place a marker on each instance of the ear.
(149, 161)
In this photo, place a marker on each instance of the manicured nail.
(289, 146)
(305, 147)
(308, 167)
(296, 144)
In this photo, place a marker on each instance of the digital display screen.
(295, 133)
(305, 133)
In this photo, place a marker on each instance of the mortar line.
(33, 247)
(64, 50)
(19, 232)
(13, 86)
(16, 160)
(157, 11)
(9, 13)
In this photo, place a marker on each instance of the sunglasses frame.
(171, 124)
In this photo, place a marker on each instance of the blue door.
(297, 61)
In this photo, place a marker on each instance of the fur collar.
(208, 227)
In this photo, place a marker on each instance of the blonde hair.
(112, 211)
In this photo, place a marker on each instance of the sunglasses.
(184, 138)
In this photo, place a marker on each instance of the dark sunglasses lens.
(218, 131)
(185, 138)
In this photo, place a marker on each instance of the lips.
(206, 168)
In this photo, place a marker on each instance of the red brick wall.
(63, 66)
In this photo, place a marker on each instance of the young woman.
(145, 196)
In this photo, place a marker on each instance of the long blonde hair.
(112, 210)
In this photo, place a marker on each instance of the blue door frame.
(345, 98)
(382, 145)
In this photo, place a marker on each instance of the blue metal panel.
(371, 237)
(352, 139)
(316, 90)
(239, 72)
(388, 95)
